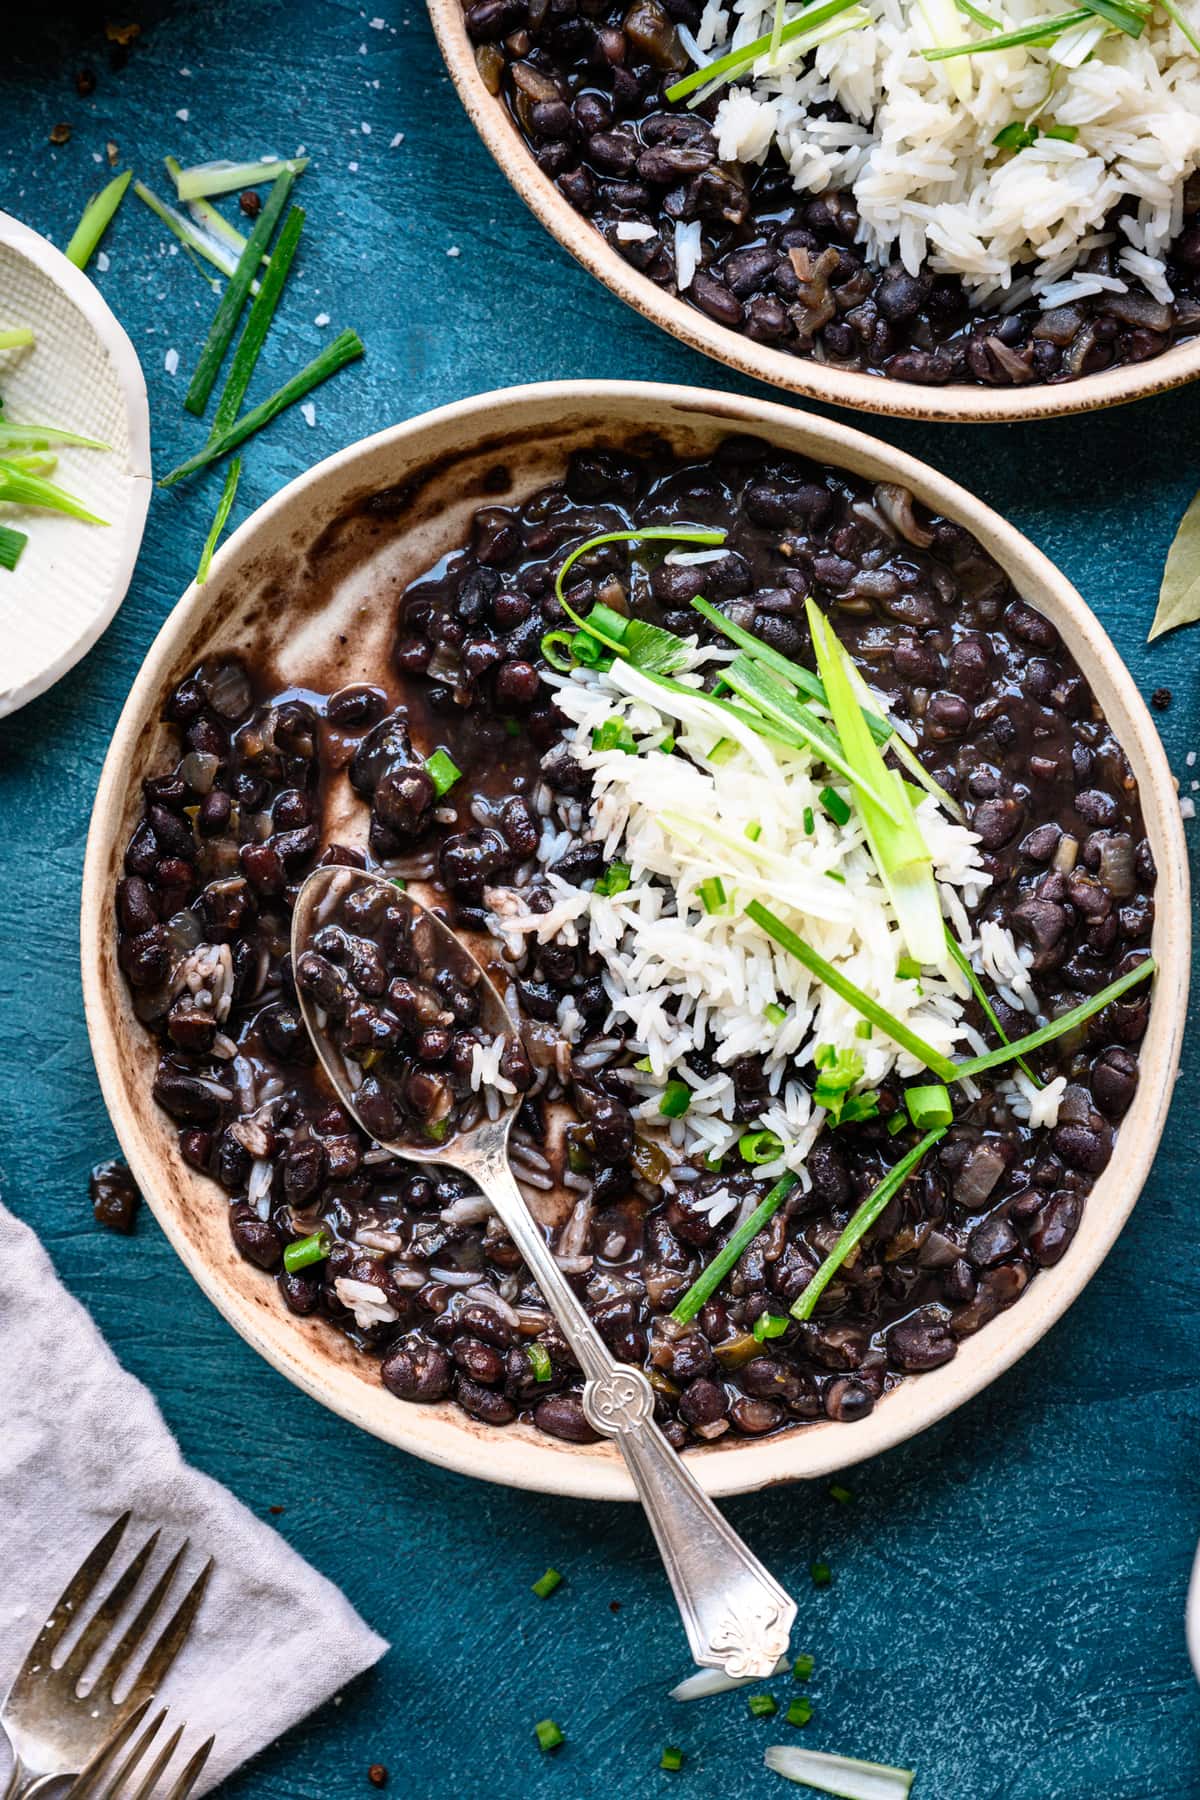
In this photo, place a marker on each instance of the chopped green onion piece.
(769, 1325)
(233, 299)
(199, 242)
(713, 896)
(344, 349)
(775, 1013)
(307, 1250)
(254, 333)
(543, 1368)
(220, 518)
(834, 805)
(723, 751)
(861, 1222)
(550, 647)
(707, 1282)
(589, 653)
(578, 1160)
(841, 1494)
(1016, 135)
(644, 1066)
(442, 772)
(436, 1130)
(614, 734)
(548, 1735)
(863, 1028)
(204, 180)
(605, 622)
(800, 1711)
(1046, 1034)
(896, 1124)
(20, 337)
(614, 880)
(672, 1757)
(908, 969)
(850, 992)
(835, 875)
(821, 1574)
(761, 1146)
(19, 488)
(761, 1705)
(803, 1666)
(677, 1097)
(1068, 134)
(929, 1106)
(753, 832)
(398, 881)
(844, 1776)
(96, 218)
(511, 727)
(546, 1584)
(727, 68)
(668, 743)
(12, 542)
(810, 820)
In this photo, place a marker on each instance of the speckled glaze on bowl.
(316, 599)
(964, 403)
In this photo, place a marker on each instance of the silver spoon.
(737, 1617)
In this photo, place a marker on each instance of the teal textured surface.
(1006, 1605)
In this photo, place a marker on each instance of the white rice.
(917, 143)
(679, 978)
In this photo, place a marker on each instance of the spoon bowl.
(736, 1615)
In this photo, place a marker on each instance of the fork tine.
(115, 1783)
(99, 1625)
(85, 1782)
(146, 1787)
(192, 1772)
(172, 1637)
(77, 1590)
(135, 1632)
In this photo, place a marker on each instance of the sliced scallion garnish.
(768, 1325)
(707, 1282)
(849, 991)
(761, 1146)
(1065, 1022)
(803, 1666)
(345, 349)
(1176, 17)
(307, 1250)
(929, 1106)
(41, 437)
(95, 220)
(844, 1776)
(539, 1361)
(191, 235)
(12, 542)
(546, 1584)
(233, 299)
(548, 1735)
(20, 488)
(800, 1711)
(963, 962)
(713, 896)
(671, 1758)
(258, 324)
(220, 518)
(442, 771)
(676, 1098)
(861, 1222)
(556, 648)
(729, 67)
(17, 337)
(761, 1706)
(204, 180)
(614, 880)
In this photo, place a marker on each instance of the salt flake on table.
(398, 139)
(171, 361)
(182, 114)
(1187, 808)
(377, 24)
(103, 263)
(308, 412)
(353, 168)
(321, 319)
(365, 129)
(454, 250)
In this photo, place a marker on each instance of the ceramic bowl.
(794, 374)
(82, 374)
(313, 597)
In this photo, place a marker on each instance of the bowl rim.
(957, 402)
(87, 299)
(518, 1456)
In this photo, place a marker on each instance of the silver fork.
(107, 1778)
(52, 1730)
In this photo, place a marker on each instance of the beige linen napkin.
(83, 1441)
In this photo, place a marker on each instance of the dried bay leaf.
(1179, 595)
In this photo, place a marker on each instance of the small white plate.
(83, 375)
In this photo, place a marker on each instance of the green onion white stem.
(19, 337)
(189, 233)
(12, 543)
(716, 1681)
(206, 179)
(844, 1776)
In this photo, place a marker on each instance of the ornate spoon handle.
(736, 1615)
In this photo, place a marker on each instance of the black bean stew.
(409, 1262)
(585, 83)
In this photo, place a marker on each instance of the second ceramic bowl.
(309, 591)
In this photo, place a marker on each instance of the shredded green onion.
(546, 1584)
(442, 772)
(841, 1494)
(614, 880)
(614, 734)
(254, 332)
(345, 349)
(775, 1013)
(96, 219)
(306, 1250)
(963, 961)
(233, 299)
(707, 1282)
(190, 235)
(220, 518)
(821, 1574)
(551, 641)
(649, 635)
(19, 488)
(1046, 1034)
(861, 1222)
(729, 67)
(713, 897)
(847, 1777)
(850, 992)
(768, 1325)
(18, 337)
(41, 437)
(810, 821)
(1176, 17)
(762, 1146)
